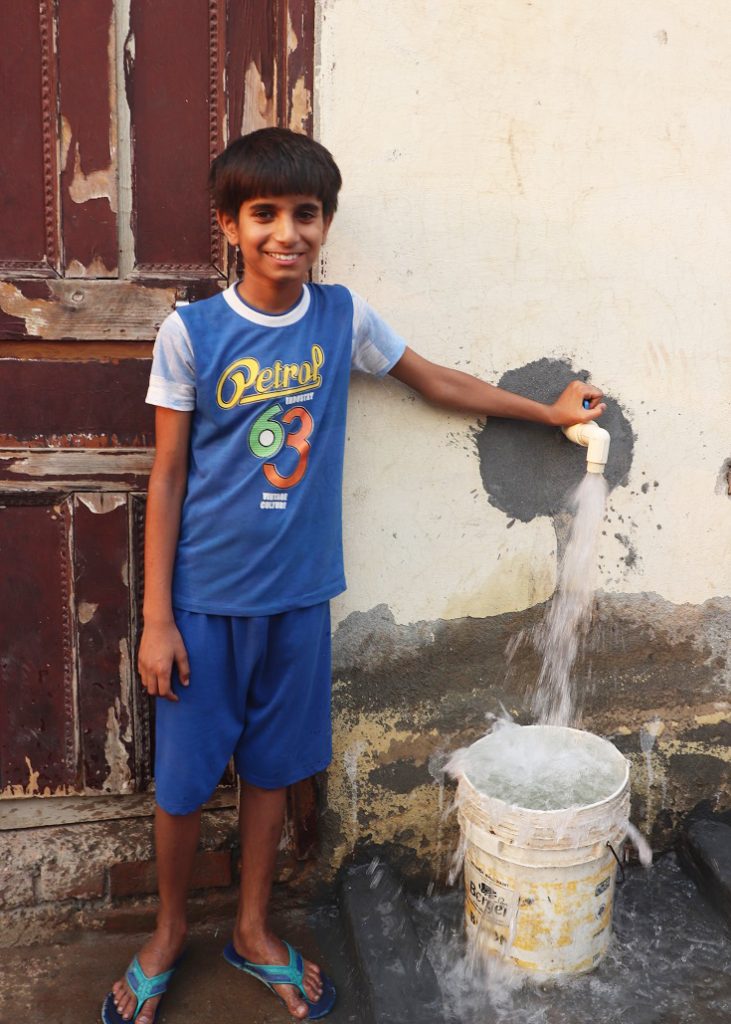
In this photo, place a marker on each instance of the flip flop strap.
(279, 974)
(143, 987)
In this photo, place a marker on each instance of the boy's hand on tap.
(569, 406)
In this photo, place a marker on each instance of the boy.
(243, 539)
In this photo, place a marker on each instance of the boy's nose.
(286, 229)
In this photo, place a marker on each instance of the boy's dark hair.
(273, 162)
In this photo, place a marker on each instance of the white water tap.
(595, 439)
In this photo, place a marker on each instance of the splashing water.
(545, 771)
(569, 614)
(668, 963)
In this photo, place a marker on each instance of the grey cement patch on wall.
(528, 469)
(641, 652)
(723, 481)
(399, 667)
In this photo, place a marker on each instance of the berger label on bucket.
(542, 810)
(488, 901)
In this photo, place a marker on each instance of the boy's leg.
(262, 818)
(176, 841)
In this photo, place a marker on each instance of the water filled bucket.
(539, 879)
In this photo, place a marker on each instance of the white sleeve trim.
(376, 346)
(171, 396)
(172, 378)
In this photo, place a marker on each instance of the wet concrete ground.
(669, 963)
(66, 984)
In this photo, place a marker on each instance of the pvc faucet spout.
(595, 439)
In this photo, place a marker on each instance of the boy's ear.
(229, 226)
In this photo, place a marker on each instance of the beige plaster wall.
(530, 179)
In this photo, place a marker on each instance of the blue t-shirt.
(260, 529)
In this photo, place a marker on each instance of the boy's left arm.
(452, 389)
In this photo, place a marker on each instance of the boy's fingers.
(164, 688)
(595, 411)
(157, 684)
(183, 664)
(147, 678)
(588, 393)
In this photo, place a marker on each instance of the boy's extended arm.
(453, 389)
(161, 643)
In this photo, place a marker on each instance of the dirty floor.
(66, 984)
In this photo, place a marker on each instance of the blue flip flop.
(143, 987)
(289, 974)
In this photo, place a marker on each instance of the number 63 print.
(267, 437)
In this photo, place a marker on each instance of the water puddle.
(667, 963)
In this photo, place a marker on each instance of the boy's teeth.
(285, 257)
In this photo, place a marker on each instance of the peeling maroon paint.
(87, 399)
(297, 63)
(101, 576)
(175, 95)
(37, 647)
(89, 136)
(28, 173)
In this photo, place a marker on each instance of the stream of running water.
(568, 617)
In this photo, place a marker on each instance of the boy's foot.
(156, 956)
(268, 949)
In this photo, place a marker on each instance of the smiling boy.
(243, 547)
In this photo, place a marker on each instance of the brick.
(60, 883)
(133, 878)
(212, 869)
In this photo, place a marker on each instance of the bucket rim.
(554, 812)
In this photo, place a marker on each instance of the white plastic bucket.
(539, 885)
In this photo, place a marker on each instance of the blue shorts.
(259, 692)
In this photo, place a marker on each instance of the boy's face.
(279, 237)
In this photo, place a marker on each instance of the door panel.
(28, 173)
(175, 95)
(86, 44)
(102, 611)
(112, 111)
(38, 724)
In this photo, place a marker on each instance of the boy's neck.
(270, 298)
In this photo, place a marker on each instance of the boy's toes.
(312, 982)
(119, 994)
(295, 1004)
(122, 1000)
(146, 1014)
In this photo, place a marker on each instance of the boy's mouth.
(285, 257)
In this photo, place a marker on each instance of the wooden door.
(111, 112)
